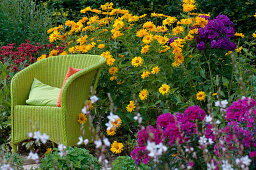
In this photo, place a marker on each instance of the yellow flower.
(41, 57)
(188, 7)
(147, 38)
(53, 53)
(48, 150)
(101, 46)
(164, 89)
(117, 123)
(176, 64)
(143, 94)
(82, 118)
(254, 35)
(200, 22)
(111, 131)
(177, 30)
(161, 39)
(64, 53)
(117, 147)
(116, 34)
(239, 35)
(200, 95)
(145, 74)
(113, 78)
(112, 70)
(110, 61)
(166, 48)
(229, 52)
(145, 49)
(86, 9)
(141, 33)
(149, 25)
(130, 107)
(239, 49)
(155, 70)
(137, 61)
(214, 94)
(179, 58)
(161, 29)
(54, 36)
(169, 20)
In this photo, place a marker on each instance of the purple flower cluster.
(169, 129)
(218, 33)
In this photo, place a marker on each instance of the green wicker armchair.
(60, 123)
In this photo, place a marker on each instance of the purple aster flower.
(200, 46)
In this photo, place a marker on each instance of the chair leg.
(14, 148)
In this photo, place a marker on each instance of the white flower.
(151, 147)
(61, 147)
(161, 148)
(98, 143)
(210, 141)
(211, 166)
(85, 111)
(100, 158)
(138, 118)
(106, 141)
(208, 119)
(80, 140)
(222, 104)
(226, 165)
(109, 125)
(112, 117)
(218, 122)
(244, 161)
(33, 156)
(44, 138)
(30, 135)
(37, 136)
(86, 141)
(202, 140)
(94, 99)
(6, 167)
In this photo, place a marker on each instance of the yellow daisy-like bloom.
(177, 30)
(161, 29)
(130, 107)
(112, 70)
(200, 22)
(149, 25)
(137, 61)
(254, 35)
(169, 20)
(53, 53)
(188, 1)
(214, 94)
(86, 9)
(166, 48)
(176, 64)
(147, 38)
(144, 49)
(179, 58)
(155, 70)
(143, 94)
(101, 46)
(41, 57)
(113, 78)
(116, 34)
(112, 131)
(239, 49)
(164, 89)
(88, 104)
(110, 61)
(145, 74)
(117, 147)
(117, 123)
(188, 7)
(141, 33)
(82, 118)
(239, 35)
(200, 95)
(54, 36)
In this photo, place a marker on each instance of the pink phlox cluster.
(140, 154)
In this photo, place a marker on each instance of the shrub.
(76, 158)
(125, 163)
(23, 19)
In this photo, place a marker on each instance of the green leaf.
(225, 81)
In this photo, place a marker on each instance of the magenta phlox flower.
(164, 120)
(140, 154)
(144, 135)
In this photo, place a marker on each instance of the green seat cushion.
(42, 94)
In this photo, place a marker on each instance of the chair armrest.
(77, 88)
(21, 84)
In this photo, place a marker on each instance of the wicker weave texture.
(59, 123)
